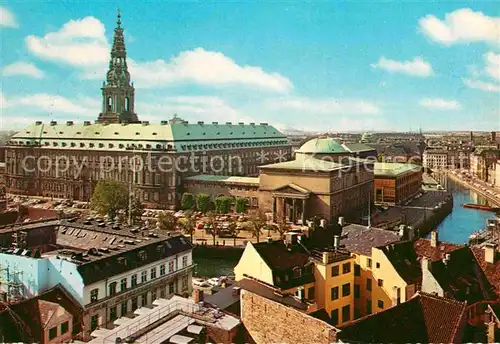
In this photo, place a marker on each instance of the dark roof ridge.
(440, 298)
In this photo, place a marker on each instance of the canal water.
(455, 228)
(461, 222)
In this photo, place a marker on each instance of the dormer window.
(142, 255)
(297, 272)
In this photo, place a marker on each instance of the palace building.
(66, 160)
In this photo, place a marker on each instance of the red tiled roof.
(424, 318)
(46, 310)
(492, 271)
(423, 248)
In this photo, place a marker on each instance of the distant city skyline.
(310, 66)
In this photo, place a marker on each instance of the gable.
(252, 264)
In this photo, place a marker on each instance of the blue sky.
(312, 65)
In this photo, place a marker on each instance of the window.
(64, 327)
(53, 333)
(357, 291)
(133, 282)
(310, 293)
(171, 266)
(124, 308)
(112, 289)
(334, 293)
(153, 273)
(380, 282)
(162, 293)
(94, 294)
(153, 295)
(335, 317)
(346, 268)
(123, 284)
(346, 289)
(357, 270)
(297, 273)
(94, 322)
(184, 282)
(369, 307)
(369, 284)
(335, 271)
(144, 276)
(369, 262)
(377, 265)
(134, 303)
(171, 288)
(346, 313)
(184, 261)
(112, 313)
(162, 269)
(380, 304)
(144, 299)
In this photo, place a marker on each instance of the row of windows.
(112, 287)
(346, 315)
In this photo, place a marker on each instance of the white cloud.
(7, 18)
(492, 67)
(482, 85)
(416, 67)
(461, 26)
(80, 43)
(440, 104)
(54, 104)
(191, 108)
(24, 69)
(205, 68)
(325, 106)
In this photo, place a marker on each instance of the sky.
(314, 66)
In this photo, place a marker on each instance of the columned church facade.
(66, 160)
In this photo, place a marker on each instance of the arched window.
(126, 104)
(110, 104)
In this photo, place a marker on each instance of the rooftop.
(166, 319)
(491, 271)
(360, 239)
(423, 248)
(224, 179)
(404, 260)
(305, 164)
(423, 319)
(393, 169)
(174, 135)
(329, 145)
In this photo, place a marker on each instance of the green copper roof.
(178, 136)
(306, 164)
(225, 179)
(391, 169)
(322, 146)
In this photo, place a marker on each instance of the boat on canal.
(481, 207)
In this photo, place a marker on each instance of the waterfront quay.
(492, 196)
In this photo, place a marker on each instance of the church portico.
(290, 203)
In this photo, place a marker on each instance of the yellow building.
(324, 276)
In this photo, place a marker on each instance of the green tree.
(188, 224)
(202, 202)
(109, 197)
(167, 221)
(241, 205)
(223, 204)
(137, 209)
(212, 228)
(255, 224)
(187, 201)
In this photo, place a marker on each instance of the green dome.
(322, 146)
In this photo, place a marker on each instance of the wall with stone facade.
(271, 322)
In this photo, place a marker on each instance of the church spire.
(117, 92)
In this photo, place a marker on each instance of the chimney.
(490, 332)
(336, 242)
(341, 221)
(434, 239)
(236, 291)
(301, 294)
(489, 253)
(198, 295)
(326, 257)
(223, 283)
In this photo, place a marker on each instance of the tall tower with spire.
(117, 91)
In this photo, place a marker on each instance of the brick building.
(65, 160)
(394, 183)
